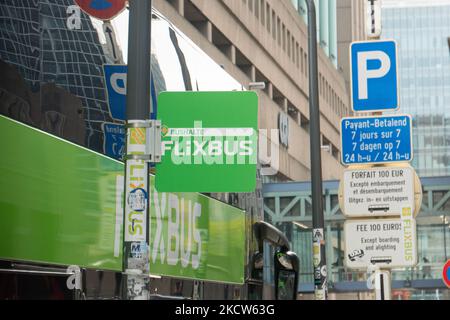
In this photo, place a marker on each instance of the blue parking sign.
(116, 86)
(374, 79)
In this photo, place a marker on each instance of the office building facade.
(421, 29)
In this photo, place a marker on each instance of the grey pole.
(139, 50)
(136, 200)
(319, 257)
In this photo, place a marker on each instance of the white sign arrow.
(111, 42)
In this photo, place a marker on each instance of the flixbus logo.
(175, 233)
(200, 145)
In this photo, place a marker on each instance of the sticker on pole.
(386, 243)
(446, 273)
(382, 139)
(383, 191)
(102, 9)
(209, 141)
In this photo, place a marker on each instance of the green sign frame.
(210, 141)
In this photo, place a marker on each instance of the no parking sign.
(446, 273)
(102, 9)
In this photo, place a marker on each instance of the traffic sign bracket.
(153, 140)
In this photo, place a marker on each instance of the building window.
(262, 17)
(289, 43)
(274, 26)
(306, 64)
(279, 31)
(293, 49)
(301, 59)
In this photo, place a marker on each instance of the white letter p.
(364, 74)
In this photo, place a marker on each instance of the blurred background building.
(421, 29)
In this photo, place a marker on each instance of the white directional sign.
(386, 243)
(111, 42)
(382, 191)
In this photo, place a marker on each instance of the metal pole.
(372, 15)
(136, 201)
(319, 258)
(445, 237)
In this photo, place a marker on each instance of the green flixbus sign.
(209, 141)
(63, 204)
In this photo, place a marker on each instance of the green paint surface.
(236, 109)
(220, 229)
(59, 203)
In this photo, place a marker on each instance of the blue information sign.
(116, 87)
(376, 139)
(114, 140)
(374, 79)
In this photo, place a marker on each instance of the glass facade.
(54, 76)
(326, 24)
(424, 67)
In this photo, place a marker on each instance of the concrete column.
(318, 18)
(269, 90)
(231, 53)
(205, 27)
(324, 26)
(208, 31)
(179, 6)
(332, 32)
(285, 105)
(252, 73)
(302, 10)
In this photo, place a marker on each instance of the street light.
(318, 235)
(257, 85)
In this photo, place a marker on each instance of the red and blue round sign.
(446, 273)
(102, 9)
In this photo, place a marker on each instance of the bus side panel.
(57, 201)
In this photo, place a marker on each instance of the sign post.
(379, 186)
(136, 201)
(318, 220)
